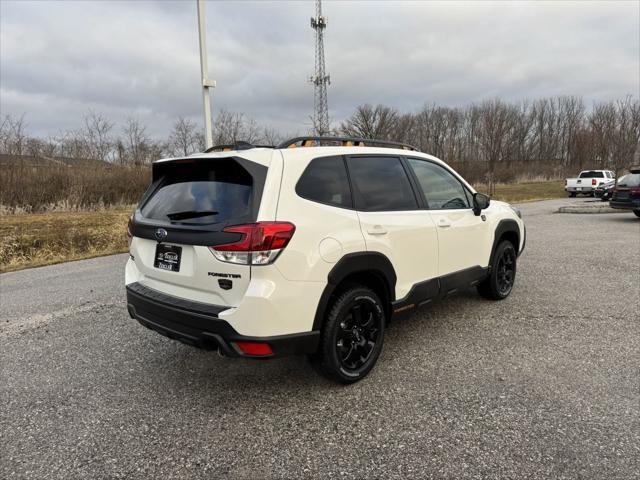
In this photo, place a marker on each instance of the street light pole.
(204, 70)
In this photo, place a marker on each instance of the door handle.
(444, 223)
(377, 230)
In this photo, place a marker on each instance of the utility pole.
(204, 71)
(320, 79)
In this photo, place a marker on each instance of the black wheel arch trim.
(506, 225)
(354, 263)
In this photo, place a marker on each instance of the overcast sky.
(61, 58)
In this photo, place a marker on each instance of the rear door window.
(325, 181)
(202, 193)
(380, 184)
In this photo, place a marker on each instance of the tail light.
(260, 244)
(565, 182)
(594, 182)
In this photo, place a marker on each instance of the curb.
(598, 209)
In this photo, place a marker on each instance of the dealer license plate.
(168, 257)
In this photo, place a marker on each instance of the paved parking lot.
(545, 384)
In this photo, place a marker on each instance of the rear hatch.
(628, 189)
(184, 212)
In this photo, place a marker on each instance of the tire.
(572, 194)
(350, 343)
(499, 283)
(637, 213)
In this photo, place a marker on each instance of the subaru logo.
(160, 234)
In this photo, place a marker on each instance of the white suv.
(311, 247)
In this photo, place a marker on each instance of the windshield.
(630, 180)
(204, 194)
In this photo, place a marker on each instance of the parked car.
(605, 190)
(310, 247)
(587, 182)
(626, 194)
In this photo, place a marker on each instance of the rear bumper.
(631, 204)
(586, 189)
(197, 324)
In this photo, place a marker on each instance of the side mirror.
(480, 202)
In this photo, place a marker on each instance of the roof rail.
(239, 145)
(344, 142)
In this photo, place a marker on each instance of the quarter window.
(381, 184)
(441, 189)
(325, 181)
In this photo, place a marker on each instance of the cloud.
(58, 59)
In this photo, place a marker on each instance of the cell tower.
(320, 80)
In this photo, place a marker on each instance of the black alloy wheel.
(358, 333)
(502, 275)
(352, 336)
(506, 271)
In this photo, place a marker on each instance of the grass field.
(526, 192)
(31, 240)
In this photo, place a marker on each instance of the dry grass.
(526, 192)
(37, 189)
(31, 240)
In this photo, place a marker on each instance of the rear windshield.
(630, 180)
(591, 174)
(201, 193)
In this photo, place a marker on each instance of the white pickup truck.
(587, 182)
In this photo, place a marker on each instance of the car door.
(392, 221)
(464, 239)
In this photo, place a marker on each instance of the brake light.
(255, 348)
(260, 244)
(594, 182)
(565, 182)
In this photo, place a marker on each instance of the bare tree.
(73, 144)
(271, 136)
(185, 138)
(376, 122)
(615, 128)
(13, 135)
(496, 135)
(135, 141)
(97, 135)
(230, 127)
(492, 141)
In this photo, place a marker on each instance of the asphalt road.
(545, 384)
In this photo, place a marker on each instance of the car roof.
(315, 145)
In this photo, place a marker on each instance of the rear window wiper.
(190, 214)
